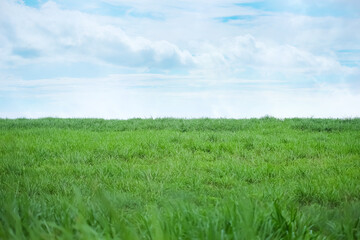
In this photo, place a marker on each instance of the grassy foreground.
(180, 179)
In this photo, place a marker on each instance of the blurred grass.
(180, 179)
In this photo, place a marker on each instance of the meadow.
(180, 179)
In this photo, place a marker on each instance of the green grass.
(180, 179)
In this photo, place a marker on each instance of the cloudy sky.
(183, 58)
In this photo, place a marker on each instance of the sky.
(120, 59)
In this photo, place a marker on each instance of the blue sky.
(156, 58)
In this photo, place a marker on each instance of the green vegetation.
(180, 179)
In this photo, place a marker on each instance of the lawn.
(180, 179)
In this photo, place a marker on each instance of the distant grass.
(180, 179)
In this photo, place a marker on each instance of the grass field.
(180, 179)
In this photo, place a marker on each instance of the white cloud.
(57, 34)
(236, 56)
(53, 34)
